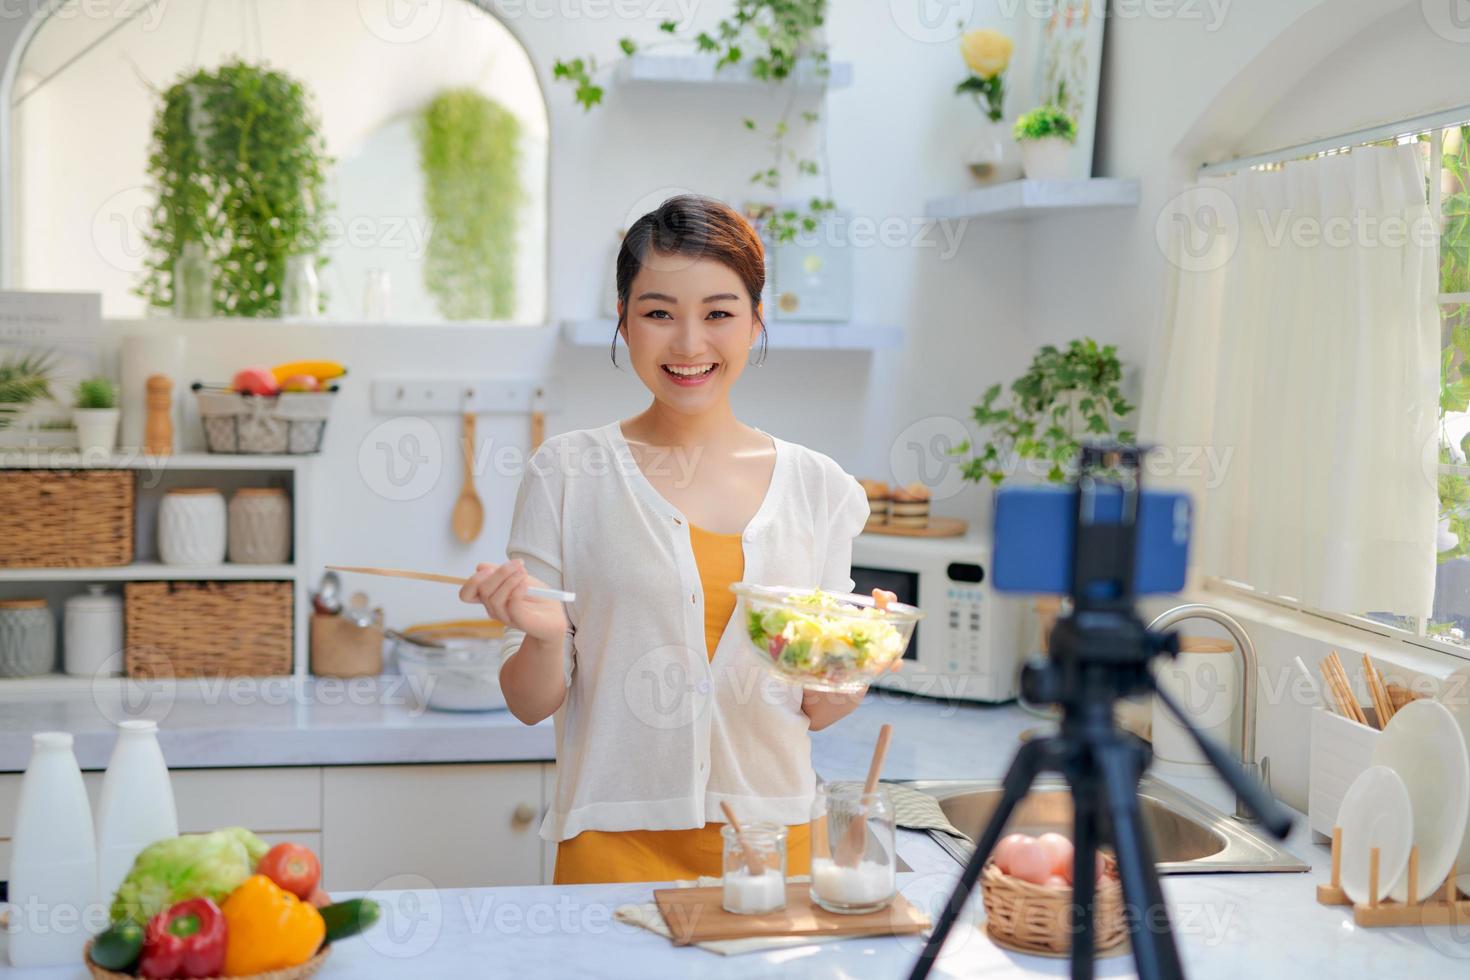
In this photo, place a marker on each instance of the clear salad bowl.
(824, 641)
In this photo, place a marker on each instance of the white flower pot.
(96, 429)
(1046, 159)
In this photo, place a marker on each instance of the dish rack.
(1444, 908)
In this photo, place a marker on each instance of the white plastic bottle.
(53, 867)
(137, 803)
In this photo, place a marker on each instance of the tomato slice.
(293, 867)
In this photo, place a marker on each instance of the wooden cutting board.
(939, 527)
(694, 915)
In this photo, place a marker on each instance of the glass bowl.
(452, 673)
(824, 641)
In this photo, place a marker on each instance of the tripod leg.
(1017, 782)
(1084, 876)
(1153, 941)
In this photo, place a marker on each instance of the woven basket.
(208, 629)
(1034, 918)
(292, 422)
(298, 972)
(66, 518)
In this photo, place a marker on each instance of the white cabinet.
(454, 825)
(439, 826)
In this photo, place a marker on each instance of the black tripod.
(1100, 653)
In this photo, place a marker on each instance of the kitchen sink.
(1187, 835)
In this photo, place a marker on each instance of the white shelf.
(152, 571)
(699, 69)
(780, 334)
(15, 459)
(1031, 198)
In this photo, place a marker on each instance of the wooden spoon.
(849, 850)
(753, 862)
(469, 514)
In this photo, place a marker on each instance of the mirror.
(79, 200)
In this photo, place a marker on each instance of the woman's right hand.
(501, 589)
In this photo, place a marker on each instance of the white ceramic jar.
(191, 527)
(260, 526)
(27, 638)
(93, 633)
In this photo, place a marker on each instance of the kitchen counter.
(1267, 924)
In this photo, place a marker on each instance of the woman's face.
(689, 329)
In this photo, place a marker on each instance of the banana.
(321, 370)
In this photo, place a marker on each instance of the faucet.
(1196, 610)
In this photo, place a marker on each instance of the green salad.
(826, 637)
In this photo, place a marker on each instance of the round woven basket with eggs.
(1027, 889)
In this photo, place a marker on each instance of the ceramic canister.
(191, 526)
(93, 633)
(260, 526)
(27, 638)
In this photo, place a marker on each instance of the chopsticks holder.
(1382, 703)
(752, 859)
(849, 848)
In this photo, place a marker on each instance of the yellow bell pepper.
(268, 928)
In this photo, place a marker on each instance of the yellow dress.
(671, 855)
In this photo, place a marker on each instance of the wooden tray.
(939, 527)
(694, 915)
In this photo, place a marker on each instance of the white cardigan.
(653, 735)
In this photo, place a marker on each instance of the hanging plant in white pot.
(1046, 135)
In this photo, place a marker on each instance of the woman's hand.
(501, 589)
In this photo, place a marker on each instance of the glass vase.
(299, 288)
(993, 157)
(193, 283)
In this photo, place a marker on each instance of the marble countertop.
(1227, 925)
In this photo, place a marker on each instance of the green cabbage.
(189, 866)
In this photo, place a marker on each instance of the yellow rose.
(987, 52)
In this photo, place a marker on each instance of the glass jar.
(755, 868)
(299, 289)
(193, 283)
(854, 850)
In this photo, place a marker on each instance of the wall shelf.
(781, 335)
(21, 459)
(152, 571)
(1024, 199)
(699, 69)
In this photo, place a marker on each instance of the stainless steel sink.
(1188, 836)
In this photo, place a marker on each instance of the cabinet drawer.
(455, 825)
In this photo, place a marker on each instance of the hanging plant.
(469, 151)
(773, 37)
(1064, 395)
(239, 164)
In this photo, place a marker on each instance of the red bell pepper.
(187, 940)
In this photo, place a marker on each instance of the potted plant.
(25, 377)
(95, 415)
(1064, 397)
(987, 53)
(1046, 135)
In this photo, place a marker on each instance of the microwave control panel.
(965, 635)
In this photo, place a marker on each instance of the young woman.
(660, 715)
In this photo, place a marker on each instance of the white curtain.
(1295, 387)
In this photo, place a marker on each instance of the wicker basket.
(1034, 918)
(291, 423)
(208, 629)
(66, 518)
(299, 972)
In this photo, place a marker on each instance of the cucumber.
(348, 918)
(117, 947)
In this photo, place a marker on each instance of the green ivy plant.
(238, 163)
(1063, 394)
(772, 37)
(469, 152)
(1044, 121)
(98, 392)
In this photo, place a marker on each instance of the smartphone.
(1035, 528)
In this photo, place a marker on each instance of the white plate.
(1375, 813)
(1424, 746)
(1454, 693)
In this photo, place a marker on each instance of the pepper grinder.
(158, 431)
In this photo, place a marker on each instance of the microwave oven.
(971, 642)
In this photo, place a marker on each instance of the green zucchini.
(348, 918)
(118, 946)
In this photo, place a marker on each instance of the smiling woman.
(661, 716)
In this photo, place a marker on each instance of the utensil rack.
(1443, 908)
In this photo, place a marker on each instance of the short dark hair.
(698, 227)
